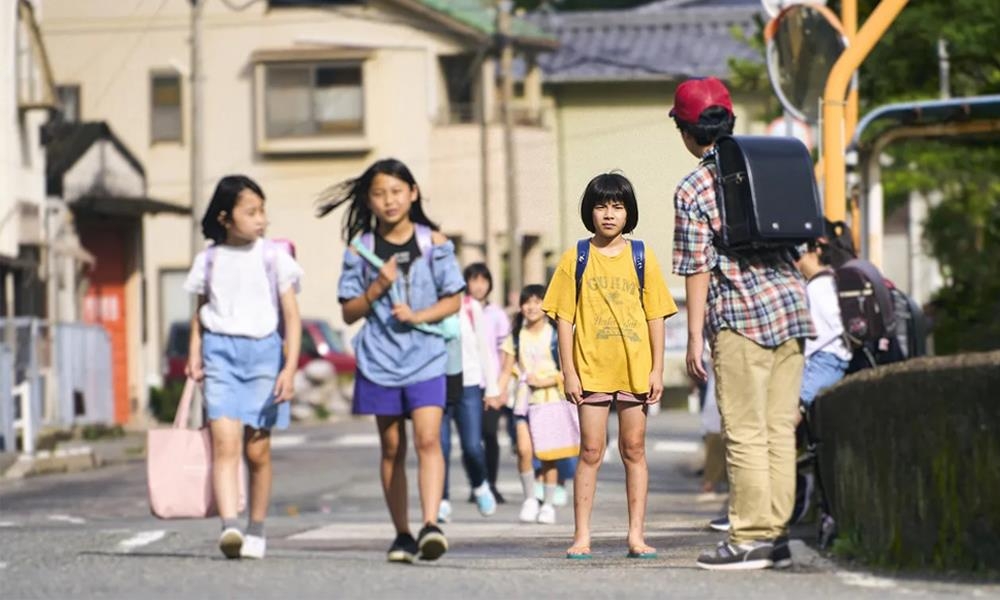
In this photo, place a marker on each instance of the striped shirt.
(758, 294)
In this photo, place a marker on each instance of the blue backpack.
(638, 260)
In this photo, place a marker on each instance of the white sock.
(528, 484)
(550, 493)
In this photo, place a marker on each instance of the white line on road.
(3, 565)
(8, 524)
(67, 519)
(287, 441)
(357, 440)
(141, 539)
(865, 580)
(676, 446)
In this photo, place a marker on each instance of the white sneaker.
(231, 542)
(529, 511)
(254, 546)
(444, 512)
(547, 514)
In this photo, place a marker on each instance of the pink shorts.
(619, 396)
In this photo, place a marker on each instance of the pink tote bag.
(555, 430)
(179, 467)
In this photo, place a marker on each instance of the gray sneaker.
(738, 557)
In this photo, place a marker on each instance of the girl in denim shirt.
(401, 368)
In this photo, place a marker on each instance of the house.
(612, 83)
(299, 95)
(26, 102)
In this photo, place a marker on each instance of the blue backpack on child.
(638, 260)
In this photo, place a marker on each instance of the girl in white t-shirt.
(246, 287)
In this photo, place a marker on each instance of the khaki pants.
(757, 389)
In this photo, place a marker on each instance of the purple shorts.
(371, 398)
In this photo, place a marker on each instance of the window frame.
(352, 142)
(78, 90)
(153, 76)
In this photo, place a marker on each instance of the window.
(165, 94)
(461, 74)
(68, 97)
(313, 100)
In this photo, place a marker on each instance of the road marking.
(679, 447)
(141, 539)
(67, 519)
(357, 440)
(865, 580)
(287, 441)
(3, 565)
(8, 524)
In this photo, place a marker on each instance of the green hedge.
(910, 458)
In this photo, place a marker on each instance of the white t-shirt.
(241, 300)
(478, 368)
(824, 308)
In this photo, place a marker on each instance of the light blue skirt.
(240, 375)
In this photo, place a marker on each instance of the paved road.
(89, 535)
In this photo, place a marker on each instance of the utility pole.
(944, 68)
(484, 157)
(503, 26)
(197, 127)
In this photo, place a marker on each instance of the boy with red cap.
(754, 306)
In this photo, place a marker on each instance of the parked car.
(320, 341)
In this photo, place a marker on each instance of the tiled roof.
(480, 15)
(667, 39)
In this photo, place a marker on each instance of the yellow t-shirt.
(535, 350)
(611, 348)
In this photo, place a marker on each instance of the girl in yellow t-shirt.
(530, 350)
(611, 327)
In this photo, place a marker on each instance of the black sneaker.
(496, 494)
(781, 555)
(720, 524)
(726, 556)
(431, 542)
(403, 549)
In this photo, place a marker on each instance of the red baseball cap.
(695, 95)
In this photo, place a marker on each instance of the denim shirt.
(391, 353)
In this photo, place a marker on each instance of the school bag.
(449, 328)
(766, 192)
(554, 427)
(271, 250)
(638, 261)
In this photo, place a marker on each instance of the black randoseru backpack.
(868, 313)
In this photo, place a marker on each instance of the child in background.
(401, 367)
(243, 282)
(529, 349)
(826, 355)
(479, 285)
(611, 331)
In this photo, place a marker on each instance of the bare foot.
(641, 549)
(578, 548)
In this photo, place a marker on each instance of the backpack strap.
(209, 263)
(582, 256)
(639, 261)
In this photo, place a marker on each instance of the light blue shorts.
(240, 374)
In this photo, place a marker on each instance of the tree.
(963, 231)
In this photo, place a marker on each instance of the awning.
(118, 206)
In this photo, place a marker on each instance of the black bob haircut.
(478, 269)
(713, 123)
(223, 200)
(605, 188)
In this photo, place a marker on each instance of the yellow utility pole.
(835, 105)
(514, 260)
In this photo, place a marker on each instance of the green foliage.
(569, 5)
(962, 231)
(163, 401)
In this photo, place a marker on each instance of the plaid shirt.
(760, 295)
